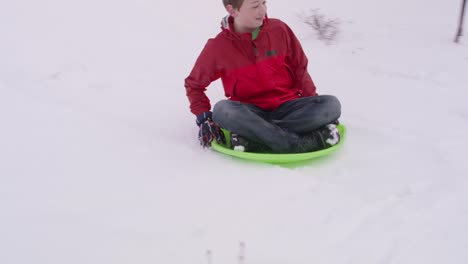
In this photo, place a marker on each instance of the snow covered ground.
(99, 161)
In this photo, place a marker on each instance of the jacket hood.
(227, 23)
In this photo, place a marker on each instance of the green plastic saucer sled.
(277, 158)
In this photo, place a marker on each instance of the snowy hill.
(99, 161)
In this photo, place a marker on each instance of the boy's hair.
(236, 4)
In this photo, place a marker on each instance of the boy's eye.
(257, 6)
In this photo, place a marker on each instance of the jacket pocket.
(229, 84)
(285, 77)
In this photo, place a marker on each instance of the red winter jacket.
(266, 71)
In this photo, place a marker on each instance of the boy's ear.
(231, 10)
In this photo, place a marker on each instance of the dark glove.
(209, 130)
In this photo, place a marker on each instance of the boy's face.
(249, 16)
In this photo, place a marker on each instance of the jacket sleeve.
(204, 72)
(297, 60)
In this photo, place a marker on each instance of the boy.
(272, 102)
